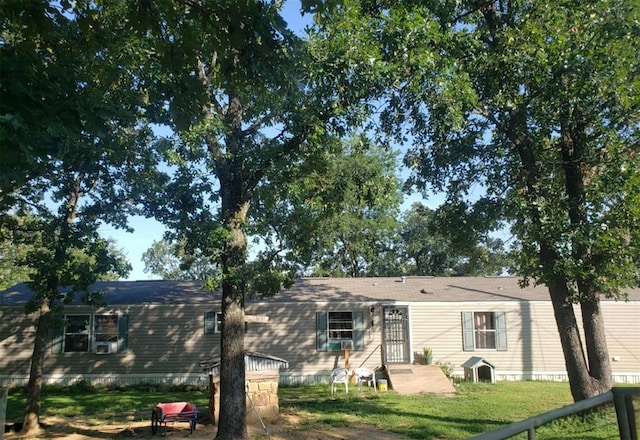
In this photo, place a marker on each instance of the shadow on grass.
(411, 417)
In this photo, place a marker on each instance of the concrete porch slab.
(416, 379)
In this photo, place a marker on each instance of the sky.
(146, 231)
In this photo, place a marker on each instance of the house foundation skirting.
(198, 380)
(293, 379)
(201, 380)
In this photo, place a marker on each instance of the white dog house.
(478, 369)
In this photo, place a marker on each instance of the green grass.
(475, 408)
(96, 406)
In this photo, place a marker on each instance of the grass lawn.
(97, 405)
(474, 408)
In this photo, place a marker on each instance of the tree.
(31, 117)
(338, 215)
(87, 162)
(444, 242)
(229, 79)
(170, 261)
(537, 105)
(10, 253)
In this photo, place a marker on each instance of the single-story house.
(159, 331)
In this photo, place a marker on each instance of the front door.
(395, 334)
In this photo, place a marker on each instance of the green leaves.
(336, 213)
(523, 101)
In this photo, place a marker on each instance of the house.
(160, 331)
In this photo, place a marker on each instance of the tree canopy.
(436, 243)
(233, 84)
(170, 261)
(335, 215)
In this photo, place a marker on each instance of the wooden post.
(212, 399)
(346, 359)
(262, 319)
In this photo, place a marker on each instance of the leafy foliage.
(336, 215)
(170, 261)
(439, 244)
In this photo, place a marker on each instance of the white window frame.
(334, 332)
(212, 326)
(86, 333)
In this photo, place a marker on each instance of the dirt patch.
(287, 426)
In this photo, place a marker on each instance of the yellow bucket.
(382, 384)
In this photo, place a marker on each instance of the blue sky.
(146, 231)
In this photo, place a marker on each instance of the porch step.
(416, 379)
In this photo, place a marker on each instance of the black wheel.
(154, 422)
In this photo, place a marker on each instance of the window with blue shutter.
(484, 331)
(358, 331)
(57, 342)
(340, 329)
(467, 332)
(501, 331)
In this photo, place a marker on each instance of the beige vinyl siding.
(534, 349)
(162, 339)
(439, 326)
(16, 340)
(622, 323)
(291, 335)
(169, 340)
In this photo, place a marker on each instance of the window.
(484, 327)
(340, 326)
(339, 329)
(76, 333)
(102, 334)
(105, 328)
(484, 331)
(212, 322)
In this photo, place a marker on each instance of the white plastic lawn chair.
(365, 375)
(338, 376)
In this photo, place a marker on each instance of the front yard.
(81, 412)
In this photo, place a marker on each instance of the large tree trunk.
(587, 364)
(573, 142)
(601, 378)
(235, 190)
(233, 411)
(31, 425)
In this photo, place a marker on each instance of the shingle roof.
(409, 289)
(131, 292)
(417, 289)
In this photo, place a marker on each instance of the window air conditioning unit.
(346, 344)
(102, 348)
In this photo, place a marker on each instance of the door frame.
(405, 356)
